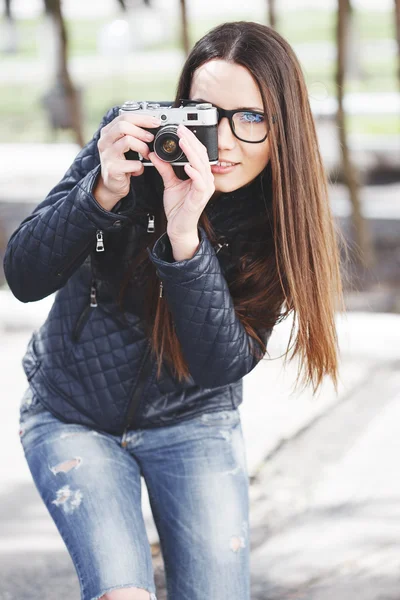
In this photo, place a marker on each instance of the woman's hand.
(184, 201)
(122, 134)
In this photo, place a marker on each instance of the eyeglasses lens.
(250, 126)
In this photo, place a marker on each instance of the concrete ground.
(324, 484)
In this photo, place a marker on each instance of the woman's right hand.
(122, 134)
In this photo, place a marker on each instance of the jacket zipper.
(151, 229)
(136, 396)
(150, 223)
(219, 245)
(76, 334)
(143, 371)
(80, 324)
(99, 248)
(99, 241)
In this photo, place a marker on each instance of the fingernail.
(149, 136)
(156, 120)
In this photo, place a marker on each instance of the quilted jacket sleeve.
(213, 339)
(51, 243)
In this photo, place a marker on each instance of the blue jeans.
(196, 476)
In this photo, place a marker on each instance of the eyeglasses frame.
(229, 115)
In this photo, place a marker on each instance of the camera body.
(200, 117)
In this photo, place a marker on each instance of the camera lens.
(169, 146)
(166, 144)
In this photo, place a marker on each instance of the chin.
(226, 186)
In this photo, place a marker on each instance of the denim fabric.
(197, 480)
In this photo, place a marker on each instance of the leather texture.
(87, 363)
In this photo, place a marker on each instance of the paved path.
(330, 502)
(302, 455)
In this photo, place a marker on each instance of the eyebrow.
(241, 108)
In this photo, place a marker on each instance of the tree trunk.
(354, 69)
(362, 231)
(9, 31)
(271, 13)
(184, 28)
(63, 79)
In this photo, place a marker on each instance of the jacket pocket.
(81, 322)
(32, 370)
(30, 361)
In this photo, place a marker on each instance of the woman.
(138, 369)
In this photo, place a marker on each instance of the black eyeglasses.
(247, 125)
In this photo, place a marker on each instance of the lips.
(221, 169)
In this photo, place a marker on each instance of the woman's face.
(229, 86)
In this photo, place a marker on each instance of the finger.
(192, 155)
(140, 119)
(197, 163)
(120, 129)
(116, 167)
(136, 118)
(204, 187)
(124, 144)
(194, 143)
(165, 169)
(129, 166)
(199, 184)
(199, 153)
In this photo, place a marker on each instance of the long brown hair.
(299, 266)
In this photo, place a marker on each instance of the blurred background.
(325, 465)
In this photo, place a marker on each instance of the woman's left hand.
(184, 201)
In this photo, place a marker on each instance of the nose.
(226, 139)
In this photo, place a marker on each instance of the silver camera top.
(196, 113)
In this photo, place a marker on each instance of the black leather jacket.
(90, 362)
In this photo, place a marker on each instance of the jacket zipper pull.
(150, 223)
(161, 289)
(221, 246)
(93, 295)
(100, 242)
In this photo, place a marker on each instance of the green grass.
(379, 125)
(312, 26)
(22, 117)
(82, 37)
(305, 26)
(296, 26)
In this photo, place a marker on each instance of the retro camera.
(200, 118)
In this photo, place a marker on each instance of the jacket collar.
(230, 211)
(243, 204)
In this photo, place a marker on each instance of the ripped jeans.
(196, 476)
